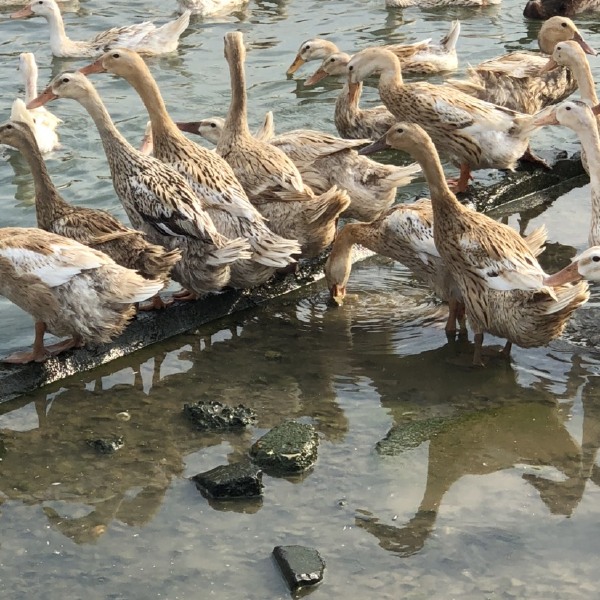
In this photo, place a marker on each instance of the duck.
(405, 233)
(585, 265)
(210, 8)
(498, 276)
(420, 57)
(579, 117)
(92, 227)
(324, 161)
(213, 180)
(44, 122)
(144, 37)
(350, 120)
(68, 288)
(546, 9)
(570, 55)
(157, 199)
(515, 80)
(271, 180)
(438, 3)
(472, 133)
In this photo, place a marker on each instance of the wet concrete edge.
(149, 328)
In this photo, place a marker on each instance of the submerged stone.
(410, 435)
(214, 415)
(288, 448)
(300, 565)
(106, 445)
(237, 480)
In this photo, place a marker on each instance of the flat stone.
(216, 416)
(237, 480)
(288, 448)
(301, 566)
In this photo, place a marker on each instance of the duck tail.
(272, 250)
(402, 176)
(230, 251)
(267, 129)
(569, 298)
(448, 42)
(173, 29)
(158, 261)
(328, 206)
(132, 287)
(536, 240)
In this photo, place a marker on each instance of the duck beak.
(317, 76)
(569, 274)
(46, 96)
(548, 118)
(549, 66)
(586, 47)
(298, 62)
(189, 127)
(596, 109)
(24, 13)
(338, 293)
(378, 146)
(353, 92)
(95, 67)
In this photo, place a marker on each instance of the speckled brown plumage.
(213, 180)
(515, 80)
(501, 282)
(68, 288)
(272, 181)
(95, 228)
(157, 199)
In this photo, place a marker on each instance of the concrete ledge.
(149, 328)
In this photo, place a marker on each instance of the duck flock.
(252, 208)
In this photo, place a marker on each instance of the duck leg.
(461, 184)
(39, 352)
(452, 316)
(461, 316)
(157, 303)
(505, 352)
(478, 339)
(185, 296)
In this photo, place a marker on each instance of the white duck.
(578, 116)
(210, 8)
(43, 123)
(144, 37)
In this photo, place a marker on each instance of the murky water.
(432, 481)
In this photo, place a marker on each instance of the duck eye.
(596, 258)
(213, 125)
(567, 108)
(307, 47)
(563, 24)
(399, 130)
(65, 80)
(9, 126)
(116, 55)
(351, 68)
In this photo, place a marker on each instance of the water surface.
(433, 481)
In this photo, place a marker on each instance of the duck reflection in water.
(527, 429)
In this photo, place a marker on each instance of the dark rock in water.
(238, 480)
(411, 435)
(299, 565)
(106, 446)
(289, 448)
(217, 416)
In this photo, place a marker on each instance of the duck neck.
(58, 36)
(339, 263)
(590, 141)
(48, 203)
(391, 72)
(585, 81)
(30, 84)
(112, 140)
(442, 198)
(147, 88)
(237, 120)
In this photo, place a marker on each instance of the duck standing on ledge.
(69, 289)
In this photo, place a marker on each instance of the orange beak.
(338, 293)
(549, 66)
(548, 119)
(189, 127)
(353, 92)
(24, 13)
(317, 76)
(95, 67)
(298, 62)
(46, 96)
(596, 109)
(586, 47)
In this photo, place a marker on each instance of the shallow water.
(498, 500)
